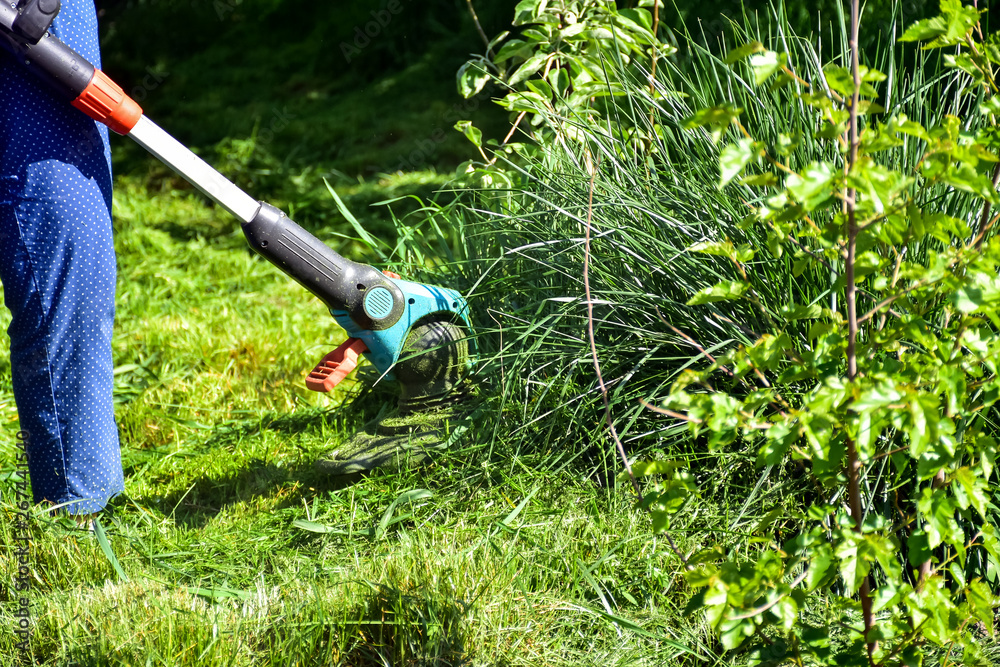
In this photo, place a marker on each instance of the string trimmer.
(409, 331)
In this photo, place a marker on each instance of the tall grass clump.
(648, 187)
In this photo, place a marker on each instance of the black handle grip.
(340, 283)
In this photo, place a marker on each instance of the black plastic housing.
(339, 283)
(62, 68)
(34, 18)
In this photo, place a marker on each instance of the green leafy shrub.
(887, 396)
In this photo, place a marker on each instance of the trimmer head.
(431, 374)
(436, 360)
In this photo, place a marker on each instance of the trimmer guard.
(422, 301)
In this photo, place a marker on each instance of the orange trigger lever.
(335, 366)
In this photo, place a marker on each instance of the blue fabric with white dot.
(57, 265)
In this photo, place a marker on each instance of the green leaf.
(971, 490)
(528, 101)
(991, 106)
(765, 64)
(541, 87)
(924, 417)
(559, 81)
(813, 186)
(840, 79)
(793, 312)
(600, 33)
(787, 143)
(918, 550)
(982, 603)
(867, 263)
(769, 350)
(886, 595)
(528, 11)
(877, 397)
(499, 38)
(735, 158)
(717, 119)
(471, 132)
(641, 17)
(979, 290)
(819, 566)
(572, 31)
(674, 495)
(760, 180)
(924, 30)
(723, 420)
(968, 299)
(938, 512)
(947, 29)
(987, 447)
(472, 78)
(727, 290)
(870, 74)
(528, 68)
(967, 64)
(855, 555)
(515, 48)
(825, 449)
(716, 248)
(991, 542)
(735, 633)
(953, 386)
(830, 130)
(741, 52)
(779, 438)
(965, 177)
(645, 468)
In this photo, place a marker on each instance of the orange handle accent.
(105, 101)
(335, 366)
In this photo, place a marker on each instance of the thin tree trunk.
(850, 298)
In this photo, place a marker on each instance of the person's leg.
(57, 266)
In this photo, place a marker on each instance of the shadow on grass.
(416, 626)
(207, 496)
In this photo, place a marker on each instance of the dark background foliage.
(251, 51)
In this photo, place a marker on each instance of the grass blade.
(102, 540)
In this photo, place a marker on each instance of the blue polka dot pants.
(57, 265)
